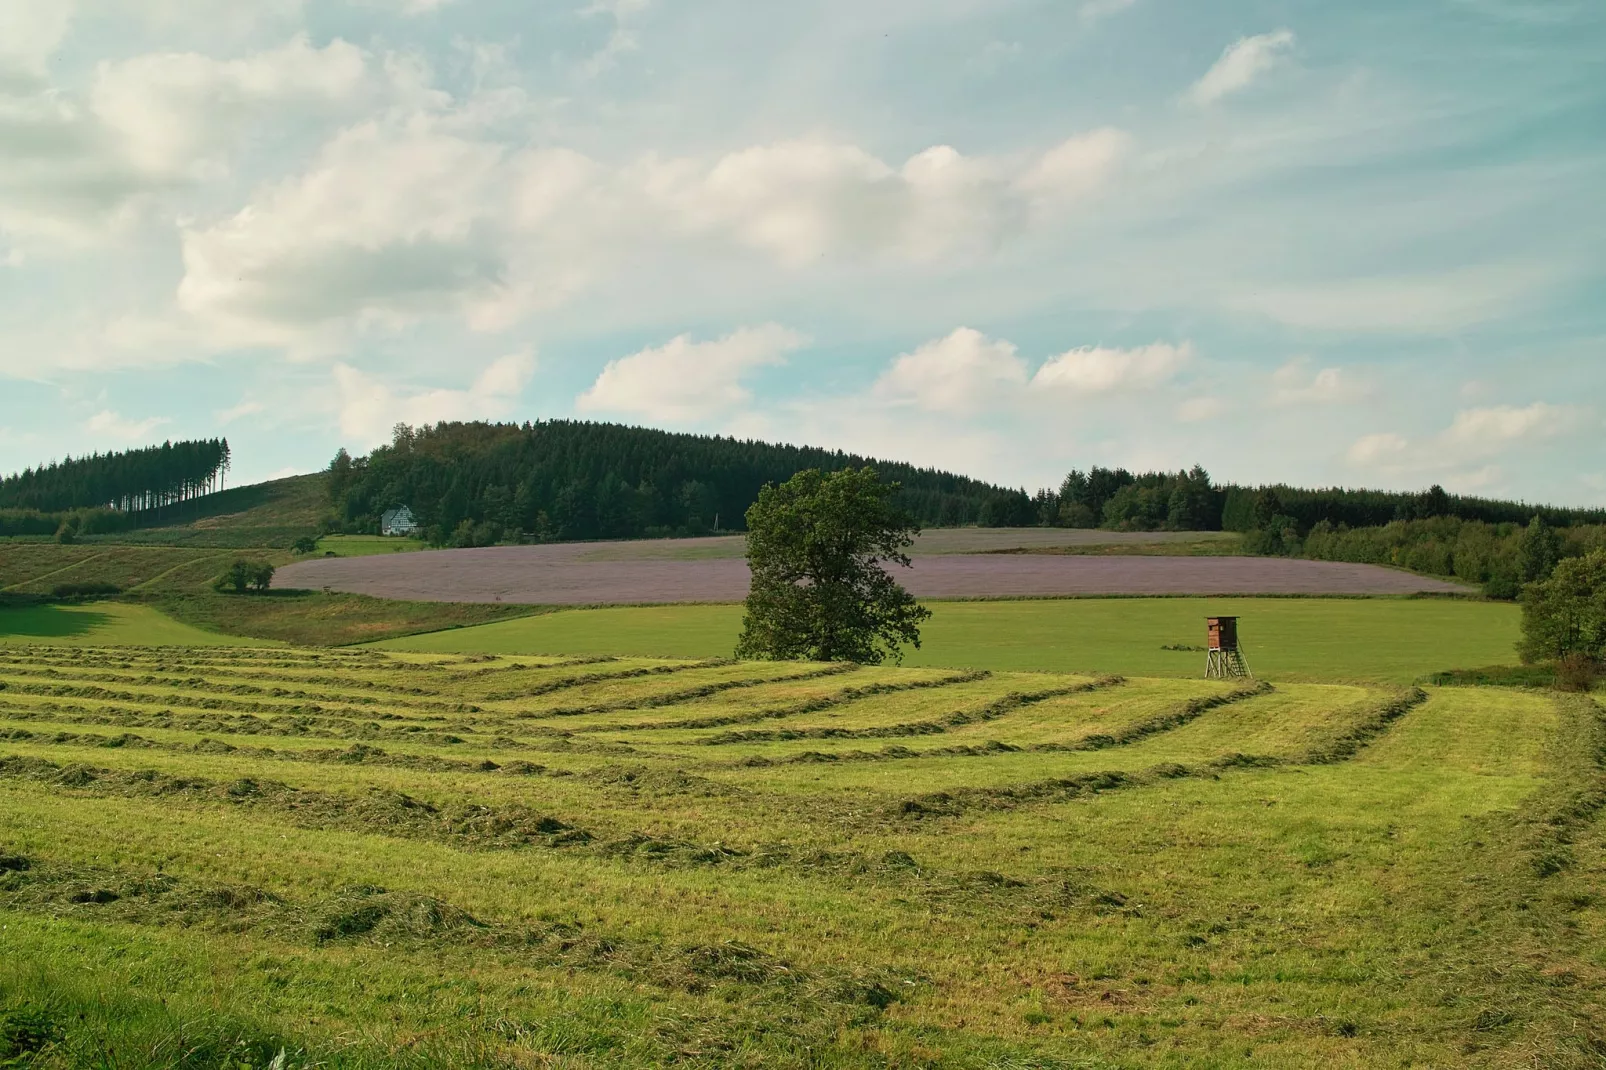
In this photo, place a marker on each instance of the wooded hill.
(475, 483)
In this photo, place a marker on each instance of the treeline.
(133, 481)
(64, 526)
(472, 484)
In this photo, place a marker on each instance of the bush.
(84, 590)
(306, 544)
(245, 575)
(1577, 672)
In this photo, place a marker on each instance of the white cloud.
(963, 372)
(1295, 384)
(369, 408)
(30, 31)
(111, 425)
(1240, 64)
(236, 412)
(1474, 436)
(1489, 429)
(1097, 369)
(1380, 448)
(386, 226)
(174, 111)
(1077, 167)
(687, 380)
(804, 200)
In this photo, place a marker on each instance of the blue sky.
(1354, 244)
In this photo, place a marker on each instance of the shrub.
(1577, 672)
(244, 575)
(84, 590)
(306, 544)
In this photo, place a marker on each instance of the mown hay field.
(362, 858)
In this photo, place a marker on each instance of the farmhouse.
(397, 521)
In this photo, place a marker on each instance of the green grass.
(365, 545)
(1285, 638)
(104, 624)
(272, 514)
(209, 856)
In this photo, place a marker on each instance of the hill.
(268, 515)
(475, 483)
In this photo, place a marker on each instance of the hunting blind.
(1224, 658)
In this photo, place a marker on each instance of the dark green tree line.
(478, 483)
(133, 481)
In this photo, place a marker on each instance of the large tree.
(816, 546)
(1565, 615)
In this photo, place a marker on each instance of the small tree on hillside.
(816, 545)
(1565, 615)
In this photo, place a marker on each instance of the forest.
(474, 484)
(133, 481)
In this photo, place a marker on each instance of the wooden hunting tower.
(1224, 658)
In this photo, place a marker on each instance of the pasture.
(1288, 638)
(362, 858)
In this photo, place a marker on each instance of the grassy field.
(104, 624)
(1286, 638)
(365, 545)
(210, 855)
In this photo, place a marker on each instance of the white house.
(397, 521)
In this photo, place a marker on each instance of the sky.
(1357, 244)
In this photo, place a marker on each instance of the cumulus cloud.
(687, 380)
(1295, 384)
(427, 214)
(30, 31)
(1245, 60)
(107, 424)
(172, 111)
(1076, 167)
(1473, 437)
(1098, 369)
(369, 407)
(963, 372)
(383, 225)
(77, 165)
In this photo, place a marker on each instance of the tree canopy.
(816, 546)
(1565, 615)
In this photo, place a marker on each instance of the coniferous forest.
(131, 482)
(475, 483)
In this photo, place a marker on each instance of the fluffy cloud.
(107, 424)
(385, 225)
(369, 408)
(172, 111)
(30, 31)
(1097, 369)
(1474, 436)
(687, 380)
(76, 165)
(803, 200)
(425, 213)
(1492, 429)
(963, 372)
(1295, 384)
(1243, 61)
(967, 372)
